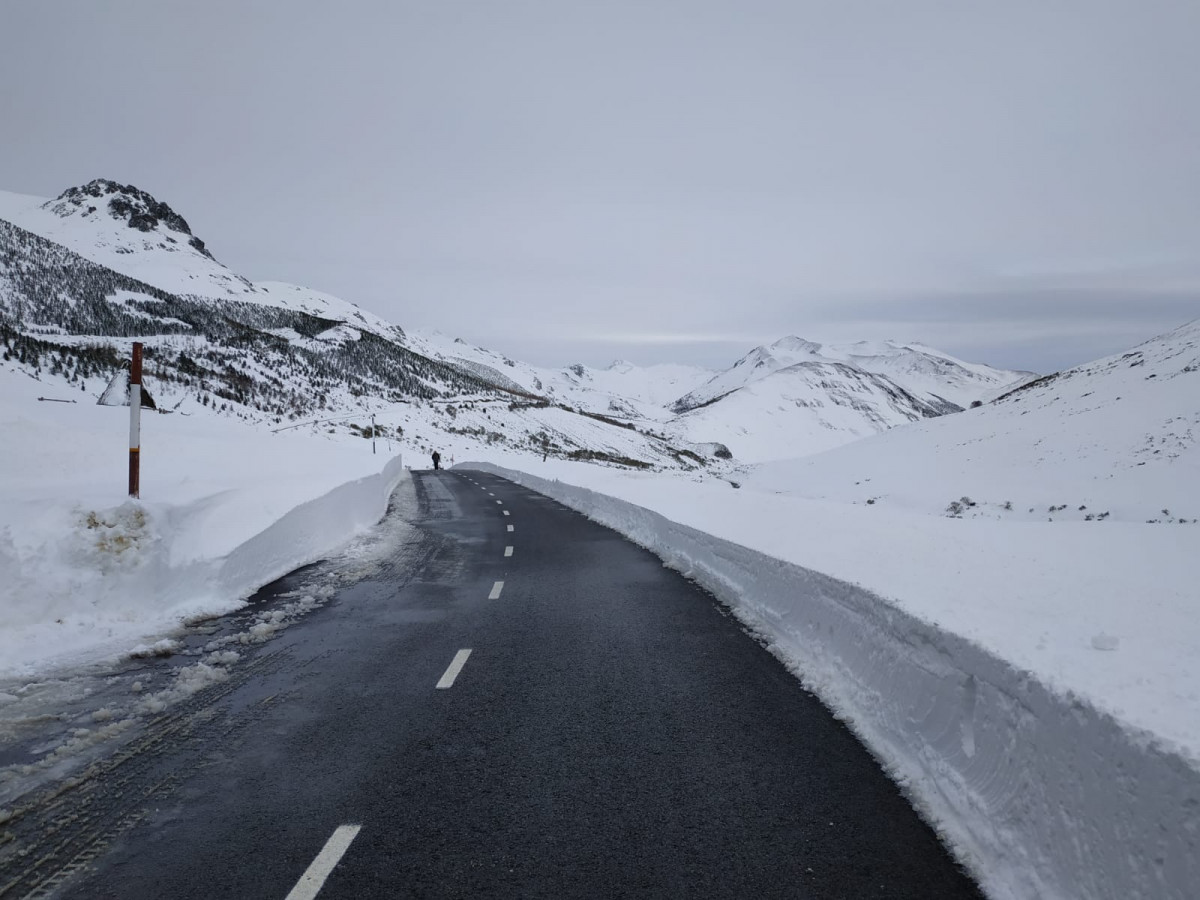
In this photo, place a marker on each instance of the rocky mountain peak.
(124, 202)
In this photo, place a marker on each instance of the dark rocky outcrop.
(137, 208)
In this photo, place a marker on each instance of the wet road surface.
(522, 704)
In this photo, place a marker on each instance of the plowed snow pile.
(225, 508)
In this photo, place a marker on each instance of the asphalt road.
(612, 732)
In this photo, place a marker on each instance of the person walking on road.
(437, 460)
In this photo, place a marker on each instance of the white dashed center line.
(508, 551)
(510, 528)
(499, 502)
(456, 665)
(505, 511)
(314, 876)
(496, 589)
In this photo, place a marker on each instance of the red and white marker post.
(135, 420)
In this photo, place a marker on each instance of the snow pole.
(372, 434)
(135, 420)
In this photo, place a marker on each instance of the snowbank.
(309, 531)
(226, 508)
(1038, 791)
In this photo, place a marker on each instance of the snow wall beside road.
(1038, 794)
(96, 585)
(309, 531)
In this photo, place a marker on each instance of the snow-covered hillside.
(129, 231)
(792, 399)
(930, 375)
(107, 261)
(622, 389)
(801, 409)
(84, 275)
(656, 385)
(1113, 440)
(797, 397)
(125, 229)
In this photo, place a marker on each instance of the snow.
(1118, 439)
(797, 397)
(327, 306)
(164, 258)
(921, 370)
(656, 385)
(639, 396)
(225, 508)
(641, 393)
(161, 257)
(805, 408)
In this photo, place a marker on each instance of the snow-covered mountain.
(103, 263)
(1116, 439)
(797, 397)
(656, 385)
(621, 390)
(128, 231)
(937, 379)
(801, 409)
(85, 274)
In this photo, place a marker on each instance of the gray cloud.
(569, 180)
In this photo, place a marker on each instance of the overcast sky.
(1015, 182)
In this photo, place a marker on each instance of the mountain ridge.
(934, 376)
(271, 358)
(1116, 439)
(272, 351)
